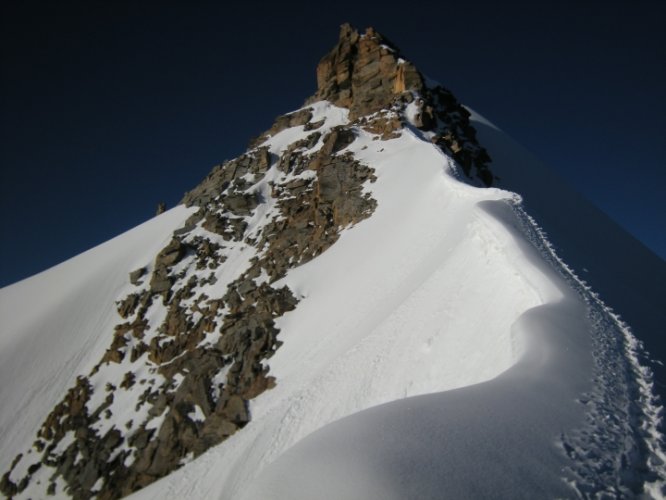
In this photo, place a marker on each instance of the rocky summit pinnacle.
(364, 73)
(367, 74)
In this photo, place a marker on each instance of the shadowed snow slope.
(492, 369)
(627, 275)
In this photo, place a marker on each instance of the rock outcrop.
(367, 74)
(364, 73)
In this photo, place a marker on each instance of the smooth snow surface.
(440, 348)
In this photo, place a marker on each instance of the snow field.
(422, 297)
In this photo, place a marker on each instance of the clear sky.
(111, 107)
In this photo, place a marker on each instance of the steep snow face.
(453, 294)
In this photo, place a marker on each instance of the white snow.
(411, 111)
(441, 345)
(197, 414)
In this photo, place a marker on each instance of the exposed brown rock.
(135, 276)
(364, 73)
(234, 409)
(254, 162)
(336, 140)
(230, 228)
(240, 203)
(128, 305)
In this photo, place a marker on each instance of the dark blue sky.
(110, 107)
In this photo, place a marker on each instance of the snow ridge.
(620, 450)
(425, 306)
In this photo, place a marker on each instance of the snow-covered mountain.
(384, 297)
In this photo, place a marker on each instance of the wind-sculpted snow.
(619, 451)
(573, 418)
(628, 276)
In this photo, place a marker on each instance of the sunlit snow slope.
(442, 346)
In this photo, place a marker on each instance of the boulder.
(135, 276)
(127, 306)
(160, 281)
(235, 410)
(336, 140)
(171, 253)
(240, 203)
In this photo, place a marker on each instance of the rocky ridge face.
(195, 334)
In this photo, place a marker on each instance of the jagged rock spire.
(364, 73)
